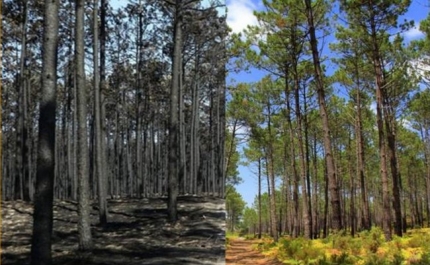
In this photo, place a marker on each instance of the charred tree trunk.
(43, 200)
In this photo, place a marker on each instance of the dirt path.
(241, 252)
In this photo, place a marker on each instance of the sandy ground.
(242, 252)
(137, 233)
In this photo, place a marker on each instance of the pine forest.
(113, 129)
(335, 133)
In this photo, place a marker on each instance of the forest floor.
(366, 247)
(243, 252)
(138, 233)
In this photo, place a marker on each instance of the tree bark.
(386, 220)
(271, 172)
(84, 225)
(259, 199)
(43, 200)
(99, 136)
(331, 170)
(295, 175)
(173, 188)
(365, 212)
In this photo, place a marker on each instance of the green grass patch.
(367, 248)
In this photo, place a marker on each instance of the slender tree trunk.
(319, 78)
(43, 200)
(295, 176)
(182, 138)
(84, 225)
(195, 137)
(221, 132)
(307, 222)
(99, 154)
(70, 173)
(173, 121)
(103, 87)
(386, 220)
(326, 188)
(269, 192)
(21, 189)
(352, 213)
(286, 190)
(315, 215)
(395, 173)
(75, 132)
(259, 199)
(271, 173)
(365, 212)
(307, 164)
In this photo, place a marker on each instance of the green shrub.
(375, 260)
(374, 239)
(398, 259)
(419, 240)
(300, 249)
(342, 259)
(292, 246)
(323, 261)
(369, 247)
(425, 259)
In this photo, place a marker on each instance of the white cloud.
(240, 14)
(414, 33)
(421, 67)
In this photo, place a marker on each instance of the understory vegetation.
(366, 248)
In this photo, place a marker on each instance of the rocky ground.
(242, 252)
(137, 233)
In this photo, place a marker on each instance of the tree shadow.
(137, 233)
(14, 258)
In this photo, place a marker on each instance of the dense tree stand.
(129, 105)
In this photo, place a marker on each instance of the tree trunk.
(269, 192)
(43, 200)
(365, 212)
(21, 181)
(395, 173)
(386, 220)
(326, 198)
(271, 173)
(99, 154)
(307, 221)
(173, 121)
(84, 225)
(331, 171)
(103, 87)
(296, 225)
(352, 215)
(259, 199)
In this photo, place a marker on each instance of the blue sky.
(239, 15)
